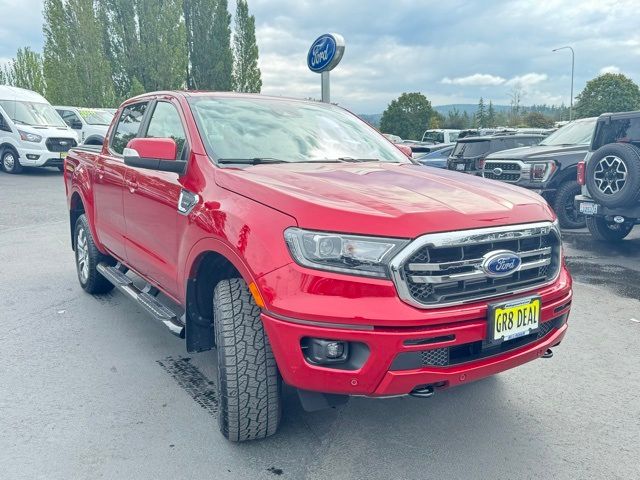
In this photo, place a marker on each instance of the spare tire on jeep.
(613, 174)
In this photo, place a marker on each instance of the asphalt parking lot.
(93, 388)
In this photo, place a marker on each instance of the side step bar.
(146, 297)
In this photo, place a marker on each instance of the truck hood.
(538, 152)
(395, 200)
(49, 132)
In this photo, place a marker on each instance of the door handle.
(100, 171)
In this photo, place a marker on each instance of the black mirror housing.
(175, 166)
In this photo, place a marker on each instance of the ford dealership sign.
(325, 53)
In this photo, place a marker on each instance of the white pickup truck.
(90, 123)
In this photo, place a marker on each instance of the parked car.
(307, 249)
(548, 168)
(440, 135)
(470, 153)
(610, 177)
(393, 138)
(91, 123)
(437, 158)
(31, 132)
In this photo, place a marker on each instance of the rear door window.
(471, 149)
(128, 126)
(623, 130)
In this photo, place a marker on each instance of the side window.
(166, 123)
(128, 126)
(69, 117)
(3, 124)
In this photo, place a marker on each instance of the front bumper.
(377, 376)
(45, 158)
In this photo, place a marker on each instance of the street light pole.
(573, 63)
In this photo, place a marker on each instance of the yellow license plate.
(514, 319)
(63, 154)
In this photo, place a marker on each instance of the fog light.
(324, 352)
(31, 156)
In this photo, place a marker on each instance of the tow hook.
(424, 392)
(548, 353)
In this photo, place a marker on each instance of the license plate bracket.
(512, 319)
(588, 208)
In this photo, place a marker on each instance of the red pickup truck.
(307, 249)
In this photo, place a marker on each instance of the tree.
(145, 40)
(491, 115)
(208, 25)
(246, 73)
(481, 114)
(25, 71)
(610, 92)
(75, 66)
(515, 95)
(407, 116)
(454, 120)
(537, 120)
(222, 74)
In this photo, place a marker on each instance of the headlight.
(353, 254)
(29, 137)
(542, 171)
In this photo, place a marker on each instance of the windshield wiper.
(250, 161)
(351, 159)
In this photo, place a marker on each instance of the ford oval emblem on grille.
(497, 171)
(501, 263)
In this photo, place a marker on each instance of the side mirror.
(76, 125)
(154, 154)
(406, 149)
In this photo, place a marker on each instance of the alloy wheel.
(610, 174)
(82, 255)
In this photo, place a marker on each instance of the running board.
(144, 298)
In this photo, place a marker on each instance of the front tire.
(249, 384)
(564, 206)
(87, 259)
(605, 231)
(10, 161)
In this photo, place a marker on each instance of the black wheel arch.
(76, 208)
(207, 270)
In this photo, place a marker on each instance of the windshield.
(436, 137)
(289, 131)
(574, 133)
(471, 149)
(31, 113)
(95, 117)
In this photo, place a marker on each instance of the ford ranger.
(309, 251)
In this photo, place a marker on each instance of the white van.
(441, 135)
(31, 131)
(90, 123)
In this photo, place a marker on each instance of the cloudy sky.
(452, 51)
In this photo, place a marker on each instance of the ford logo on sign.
(501, 263)
(325, 53)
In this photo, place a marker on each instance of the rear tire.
(605, 231)
(613, 175)
(564, 206)
(87, 259)
(10, 161)
(249, 384)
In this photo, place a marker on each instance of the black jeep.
(548, 168)
(610, 174)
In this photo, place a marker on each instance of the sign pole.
(326, 87)
(325, 53)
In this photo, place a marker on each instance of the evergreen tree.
(220, 49)
(246, 73)
(481, 114)
(61, 76)
(491, 115)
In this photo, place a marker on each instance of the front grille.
(435, 356)
(446, 268)
(60, 144)
(511, 171)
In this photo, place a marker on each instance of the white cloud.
(527, 79)
(609, 69)
(477, 79)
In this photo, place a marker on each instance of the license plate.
(63, 154)
(514, 319)
(588, 208)
(460, 167)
